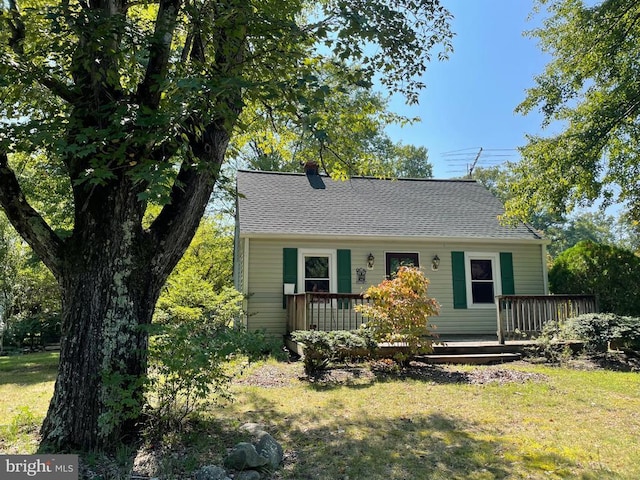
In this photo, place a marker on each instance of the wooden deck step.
(475, 348)
(471, 358)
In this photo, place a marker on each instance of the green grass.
(26, 386)
(570, 424)
(574, 424)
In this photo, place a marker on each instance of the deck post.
(499, 313)
(296, 312)
(290, 312)
(302, 319)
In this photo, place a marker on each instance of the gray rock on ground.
(253, 428)
(268, 447)
(265, 444)
(248, 475)
(244, 456)
(212, 472)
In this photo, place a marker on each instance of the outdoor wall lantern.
(435, 263)
(370, 261)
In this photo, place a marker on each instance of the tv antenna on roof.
(473, 165)
(468, 160)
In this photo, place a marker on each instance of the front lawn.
(496, 422)
(510, 421)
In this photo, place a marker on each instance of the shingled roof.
(296, 204)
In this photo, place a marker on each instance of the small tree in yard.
(399, 311)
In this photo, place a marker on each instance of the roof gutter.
(395, 238)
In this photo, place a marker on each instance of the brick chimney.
(311, 167)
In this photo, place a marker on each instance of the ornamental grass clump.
(398, 312)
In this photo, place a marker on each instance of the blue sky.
(470, 99)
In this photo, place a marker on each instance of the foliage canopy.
(591, 93)
(563, 230)
(354, 123)
(152, 76)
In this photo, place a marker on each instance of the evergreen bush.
(597, 330)
(323, 348)
(611, 273)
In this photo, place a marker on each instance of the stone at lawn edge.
(247, 475)
(212, 472)
(244, 457)
(268, 447)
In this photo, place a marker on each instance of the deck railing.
(518, 316)
(324, 311)
(525, 315)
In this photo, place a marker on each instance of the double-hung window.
(482, 273)
(316, 274)
(317, 270)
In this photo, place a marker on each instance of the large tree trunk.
(108, 295)
(98, 393)
(110, 272)
(111, 275)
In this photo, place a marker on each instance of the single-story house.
(306, 232)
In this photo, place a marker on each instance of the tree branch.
(16, 27)
(150, 90)
(29, 224)
(54, 85)
(193, 47)
(174, 228)
(16, 42)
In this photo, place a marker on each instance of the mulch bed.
(272, 375)
(288, 373)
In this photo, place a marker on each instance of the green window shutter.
(459, 283)
(506, 273)
(344, 273)
(289, 269)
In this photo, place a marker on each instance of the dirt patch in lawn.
(614, 361)
(457, 374)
